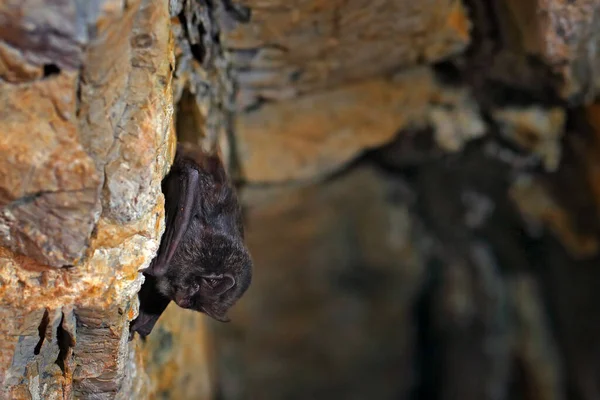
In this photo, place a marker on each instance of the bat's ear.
(215, 313)
(213, 165)
(215, 285)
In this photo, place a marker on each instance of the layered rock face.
(87, 136)
(419, 181)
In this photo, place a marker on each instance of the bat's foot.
(132, 333)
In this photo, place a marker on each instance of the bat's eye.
(195, 287)
(216, 285)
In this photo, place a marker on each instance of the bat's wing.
(152, 305)
(180, 188)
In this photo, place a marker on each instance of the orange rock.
(322, 44)
(318, 133)
(566, 34)
(43, 165)
(59, 146)
(536, 205)
(177, 356)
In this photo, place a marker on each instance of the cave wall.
(419, 182)
(87, 135)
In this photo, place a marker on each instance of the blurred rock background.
(420, 181)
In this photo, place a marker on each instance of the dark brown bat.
(202, 263)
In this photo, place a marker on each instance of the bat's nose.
(183, 301)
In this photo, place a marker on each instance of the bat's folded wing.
(180, 188)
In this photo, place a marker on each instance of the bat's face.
(208, 274)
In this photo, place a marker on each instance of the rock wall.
(87, 135)
(419, 181)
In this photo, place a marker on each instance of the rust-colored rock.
(570, 44)
(563, 33)
(455, 118)
(535, 129)
(290, 48)
(318, 133)
(49, 186)
(126, 110)
(178, 356)
(43, 43)
(538, 206)
(69, 136)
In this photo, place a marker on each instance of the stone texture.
(202, 79)
(562, 33)
(126, 110)
(48, 185)
(535, 129)
(319, 133)
(571, 38)
(179, 357)
(269, 55)
(538, 206)
(39, 40)
(288, 48)
(69, 327)
(455, 118)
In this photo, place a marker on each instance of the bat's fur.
(202, 263)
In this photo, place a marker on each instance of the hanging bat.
(202, 263)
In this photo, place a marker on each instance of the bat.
(202, 263)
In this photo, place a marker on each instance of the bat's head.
(208, 274)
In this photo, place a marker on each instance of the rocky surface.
(303, 83)
(50, 186)
(319, 133)
(286, 49)
(419, 178)
(179, 356)
(88, 136)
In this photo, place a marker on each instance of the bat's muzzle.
(183, 301)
